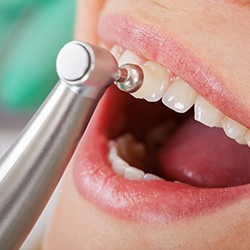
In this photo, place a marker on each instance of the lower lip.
(147, 201)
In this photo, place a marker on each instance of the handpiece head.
(81, 64)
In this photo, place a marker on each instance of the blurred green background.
(31, 34)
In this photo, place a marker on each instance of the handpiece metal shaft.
(32, 167)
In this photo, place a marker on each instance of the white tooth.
(112, 151)
(132, 173)
(206, 113)
(151, 177)
(181, 183)
(129, 149)
(155, 83)
(179, 96)
(118, 164)
(103, 45)
(233, 129)
(130, 57)
(241, 141)
(219, 125)
(247, 137)
(116, 51)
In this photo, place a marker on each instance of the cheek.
(77, 224)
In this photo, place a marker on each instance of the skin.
(77, 224)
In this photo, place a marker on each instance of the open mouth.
(151, 160)
(175, 147)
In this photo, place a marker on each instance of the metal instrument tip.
(129, 78)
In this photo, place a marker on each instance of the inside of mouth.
(177, 147)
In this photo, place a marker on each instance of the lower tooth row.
(122, 168)
(179, 96)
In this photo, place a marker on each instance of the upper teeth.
(207, 113)
(155, 83)
(179, 96)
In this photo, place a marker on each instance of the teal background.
(31, 34)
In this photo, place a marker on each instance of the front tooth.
(179, 96)
(132, 173)
(233, 129)
(116, 51)
(206, 113)
(130, 57)
(155, 83)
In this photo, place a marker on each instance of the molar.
(120, 166)
(179, 96)
(156, 81)
(206, 113)
(233, 129)
(129, 149)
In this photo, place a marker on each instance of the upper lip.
(159, 201)
(157, 46)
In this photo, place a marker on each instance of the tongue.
(204, 157)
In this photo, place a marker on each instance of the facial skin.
(218, 34)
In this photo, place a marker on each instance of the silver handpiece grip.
(32, 167)
(36, 161)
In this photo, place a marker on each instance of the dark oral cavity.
(193, 153)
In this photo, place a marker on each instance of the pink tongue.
(204, 157)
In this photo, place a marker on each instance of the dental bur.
(33, 165)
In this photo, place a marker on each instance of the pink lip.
(148, 201)
(158, 201)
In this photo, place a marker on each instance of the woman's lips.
(149, 42)
(148, 201)
(154, 201)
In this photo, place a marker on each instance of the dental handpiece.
(34, 164)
